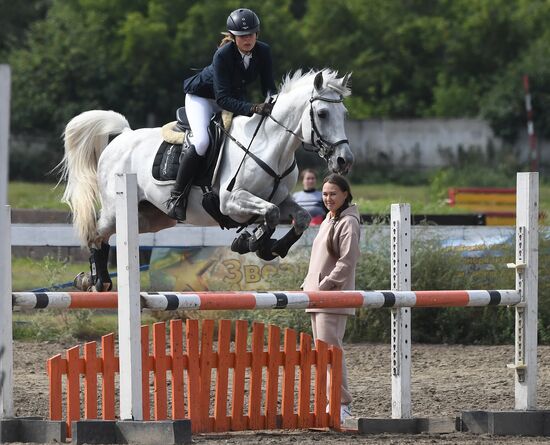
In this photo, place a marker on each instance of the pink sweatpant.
(330, 328)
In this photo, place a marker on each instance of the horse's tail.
(86, 136)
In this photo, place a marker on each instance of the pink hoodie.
(327, 272)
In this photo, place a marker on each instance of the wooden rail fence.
(242, 399)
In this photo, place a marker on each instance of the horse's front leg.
(300, 222)
(300, 216)
(242, 203)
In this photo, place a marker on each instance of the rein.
(246, 150)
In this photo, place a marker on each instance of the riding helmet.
(243, 21)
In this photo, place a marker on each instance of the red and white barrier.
(170, 301)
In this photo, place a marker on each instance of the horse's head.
(323, 121)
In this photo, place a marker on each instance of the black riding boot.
(177, 203)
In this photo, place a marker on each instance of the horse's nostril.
(341, 161)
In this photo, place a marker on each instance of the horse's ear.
(346, 81)
(318, 82)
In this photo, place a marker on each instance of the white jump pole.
(5, 94)
(6, 317)
(400, 234)
(129, 311)
(526, 265)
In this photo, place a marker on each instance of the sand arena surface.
(446, 380)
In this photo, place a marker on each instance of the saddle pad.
(166, 162)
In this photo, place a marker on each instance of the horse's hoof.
(102, 286)
(240, 244)
(266, 256)
(107, 286)
(282, 246)
(260, 237)
(83, 281)
(265, 252)
(281, 250)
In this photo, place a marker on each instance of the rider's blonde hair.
(227, 38)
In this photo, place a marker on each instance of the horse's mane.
(299, 79)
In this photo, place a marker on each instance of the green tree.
(128, 56)
(15, 20)
(409, 58)
(69, 64)
(504, 103)
(392, 48)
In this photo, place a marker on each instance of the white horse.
(309, 109)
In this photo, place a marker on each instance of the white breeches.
(199, 111)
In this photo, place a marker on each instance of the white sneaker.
(345, 413)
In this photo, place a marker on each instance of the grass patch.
(66, 325)
(371, 198)
(424, 199)
(377, 198)
(28, 274)
(29, 195)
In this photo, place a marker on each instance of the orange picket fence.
(293, 394)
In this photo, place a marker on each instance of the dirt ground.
(446, 381)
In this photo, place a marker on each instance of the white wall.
(423, 142)
(406, 142)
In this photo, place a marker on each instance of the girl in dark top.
(310, 198)
(239, 60)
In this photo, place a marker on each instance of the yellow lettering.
(234, 274)
(252, 274)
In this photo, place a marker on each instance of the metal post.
(5, 93)
(129, 313)
(527, 213)
(6, 327)
(400, 233)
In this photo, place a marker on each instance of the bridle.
(322, 147)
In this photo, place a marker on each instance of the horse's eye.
(322, 114)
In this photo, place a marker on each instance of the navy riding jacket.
(226, 78)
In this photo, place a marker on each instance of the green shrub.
(433, 268)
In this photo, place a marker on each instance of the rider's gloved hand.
(264, 108)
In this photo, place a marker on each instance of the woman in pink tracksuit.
(334, 257)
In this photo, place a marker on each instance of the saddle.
(176, 143)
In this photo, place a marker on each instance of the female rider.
(239, 60)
